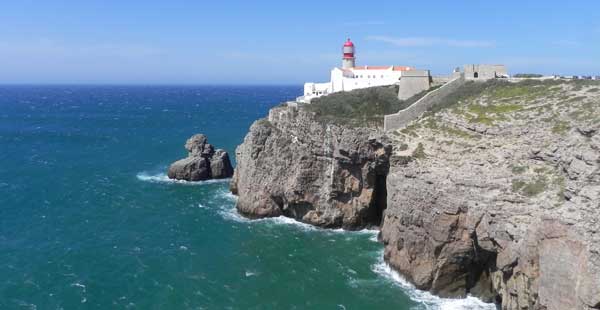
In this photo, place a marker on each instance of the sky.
(286, 42)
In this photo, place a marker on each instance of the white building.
(350, 77)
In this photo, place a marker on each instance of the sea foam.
(425, 298)
(163, 178)
(229, 212)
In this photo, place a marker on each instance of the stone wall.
(441, 79)
(403, 117)
(484, 72)
(413, 82)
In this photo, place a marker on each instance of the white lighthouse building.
(350, 76)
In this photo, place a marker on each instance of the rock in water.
(202, 163)
(193, 168)
(220, 166)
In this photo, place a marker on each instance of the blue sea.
(89, 220)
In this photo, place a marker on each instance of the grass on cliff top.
(360, 108)
(493, 100)
(498, 89)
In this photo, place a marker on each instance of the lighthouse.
(349, 77)
(348, 59)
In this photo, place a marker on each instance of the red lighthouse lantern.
(348, 51)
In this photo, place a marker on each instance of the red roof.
(394, 68)
(349, 43)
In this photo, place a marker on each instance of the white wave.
(77, 284)
(250, 273)
(427, 299)
(227, 195)
(163, 178)
(231, 214)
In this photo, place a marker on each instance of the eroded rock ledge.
(325, 175)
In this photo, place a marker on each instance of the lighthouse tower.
(348, 59)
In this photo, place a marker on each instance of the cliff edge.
(323, 174)
(495, 193)
(498, 195)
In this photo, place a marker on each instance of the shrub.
(419, 152)
(362, 107)
(527, 75)
(519, 169)
(531, 189)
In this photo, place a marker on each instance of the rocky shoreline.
(496, 196)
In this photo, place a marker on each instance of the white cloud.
(430, 41)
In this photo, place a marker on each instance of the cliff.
(498, 195)
(326, 175)
(495, 194)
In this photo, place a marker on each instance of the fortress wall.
(403, 117)
(410, 86)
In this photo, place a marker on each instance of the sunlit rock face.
(203, 162)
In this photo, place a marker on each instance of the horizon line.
(151, 84)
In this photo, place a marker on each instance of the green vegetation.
(560, 182)
(527, 75)
(487, 114)
(519, 169)
(457, 132)
(430, 121)
(361, 107)
(579, 84)
(265, 122)
(561, 127)
(419, 152)
(479, 102)
(530, 189)
(587, 111)
(410, 129)
(528, 89)
(465, 92)
(493, 108)
(498, 90)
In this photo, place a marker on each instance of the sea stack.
(203, 162)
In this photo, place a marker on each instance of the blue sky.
(286, 42)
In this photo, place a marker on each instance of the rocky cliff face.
(326, 175)
(499, 197)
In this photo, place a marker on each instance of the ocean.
(89, 220)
